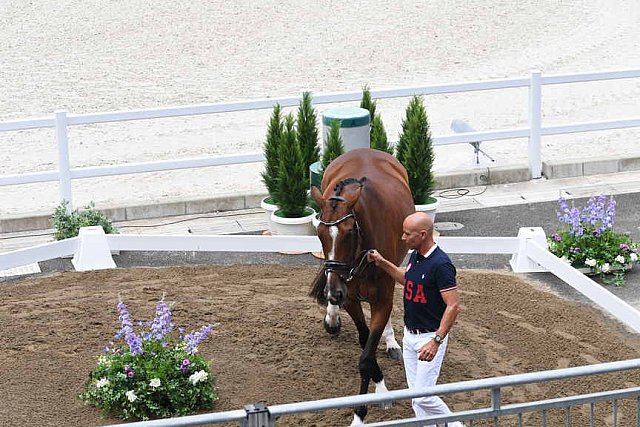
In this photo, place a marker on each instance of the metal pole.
(258, 416)
(535, 124)
(64, 167)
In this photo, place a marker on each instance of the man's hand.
(374, 256)
(391, 269)
(428, 351)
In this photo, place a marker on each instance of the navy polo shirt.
(425, 281)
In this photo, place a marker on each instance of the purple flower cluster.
(185, 365)
(162, 323)
(193, 340)
(596, 216)
(130, 337)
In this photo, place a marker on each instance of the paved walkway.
(247, 221)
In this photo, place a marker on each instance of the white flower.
(620, 259)
(198, 376)
(102, 382)
(131, 395)
(633, 256)
(155, 383)
(606, 267)
(590, 262)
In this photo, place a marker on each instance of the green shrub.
(378, 135)
(307, 133)
(415, 151)
(68, 225)
(271, 153)
(292, 185)
(335, 145)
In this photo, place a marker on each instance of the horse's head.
(339, 233)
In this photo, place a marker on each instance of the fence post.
(535, 123)
(258, 416)
(64, 173)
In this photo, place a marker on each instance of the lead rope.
(358, 268)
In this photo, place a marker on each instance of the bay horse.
(364, 201)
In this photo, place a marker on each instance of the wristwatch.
(438, 339)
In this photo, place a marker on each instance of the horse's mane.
(339, 187)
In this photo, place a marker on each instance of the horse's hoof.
(332, 330)
(394, 354)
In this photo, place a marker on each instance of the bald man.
(431, 305)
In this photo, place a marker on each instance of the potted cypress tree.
(308, 133)
(335, 145)
(333, 149)
(378, 136)
(293, 216)
(272, 162)
(415, 151)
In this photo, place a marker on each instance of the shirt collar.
(419, 256)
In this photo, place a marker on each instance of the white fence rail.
(92, 250)
(534, 132)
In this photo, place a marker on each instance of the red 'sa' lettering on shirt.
(418, 295)
(408, 290)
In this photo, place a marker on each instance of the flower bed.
(586, 239)
(151, 373)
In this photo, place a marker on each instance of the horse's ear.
(316, 195)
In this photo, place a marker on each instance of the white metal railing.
(261, 415)
(534, 132)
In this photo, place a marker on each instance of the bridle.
(343, 269)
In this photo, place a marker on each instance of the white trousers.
(422, 374)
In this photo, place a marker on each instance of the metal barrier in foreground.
(260, 415)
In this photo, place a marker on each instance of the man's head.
(417, 231)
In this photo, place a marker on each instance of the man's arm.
(452, 300)
(390, 268)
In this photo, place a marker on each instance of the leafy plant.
(415, 151)
(292, 185)
(586, 238)
(68, 225)
(378, 135)
(335, 145)
(308, 133)
(151, 373)
(271, 153)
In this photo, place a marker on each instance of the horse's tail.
(318, 286)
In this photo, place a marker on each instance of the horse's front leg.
(394, 351)
(367, 364)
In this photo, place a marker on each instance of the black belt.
(419, 331)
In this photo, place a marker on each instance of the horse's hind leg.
(394, 351)
(332, 322)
